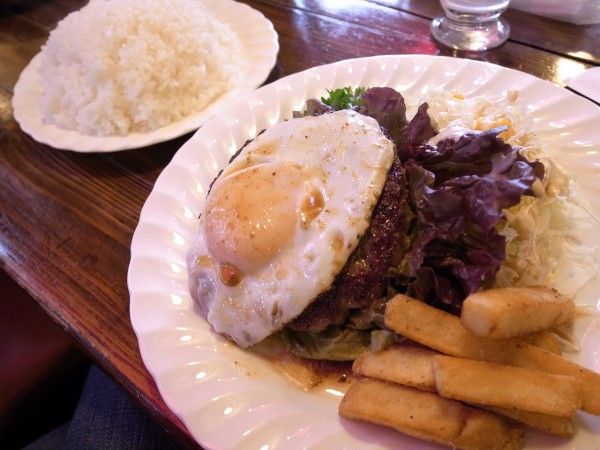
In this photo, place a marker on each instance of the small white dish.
(587, 84)
(260, 47)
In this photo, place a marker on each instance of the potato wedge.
(513, 311)
(510, 387)
(428, 416)
(444, 332)
(403, 364)
(556, 425)
(543, 339)
(413, 366)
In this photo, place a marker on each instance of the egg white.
(282, 219)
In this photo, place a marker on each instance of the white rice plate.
(121, 66)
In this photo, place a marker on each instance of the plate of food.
(154, 72)
(254, 296)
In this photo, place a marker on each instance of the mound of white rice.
(121, 66)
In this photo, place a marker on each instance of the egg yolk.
(251, 215)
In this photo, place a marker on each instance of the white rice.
(121, 66)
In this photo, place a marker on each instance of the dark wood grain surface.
(67, 219)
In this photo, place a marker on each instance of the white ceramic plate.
(229, 398)
(259, 45)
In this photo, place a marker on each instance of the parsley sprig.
(344, 98)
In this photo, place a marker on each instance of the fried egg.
(281, 220)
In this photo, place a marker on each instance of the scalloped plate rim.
(360, 434)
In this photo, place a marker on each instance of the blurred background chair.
(41, 369)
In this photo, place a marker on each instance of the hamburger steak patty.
(364, 278)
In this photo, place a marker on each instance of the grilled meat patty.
(364, 278)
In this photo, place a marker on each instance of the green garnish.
(344, 98)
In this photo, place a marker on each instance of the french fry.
(428, 416)
(403, 364)
(556, 425)
(510, 387)
(413, 366)
(444, 332)
(543, 339)
(513, 311)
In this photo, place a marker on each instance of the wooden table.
(67, 219)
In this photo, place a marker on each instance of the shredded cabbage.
(543, 247)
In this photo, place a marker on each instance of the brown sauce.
(329, 377)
